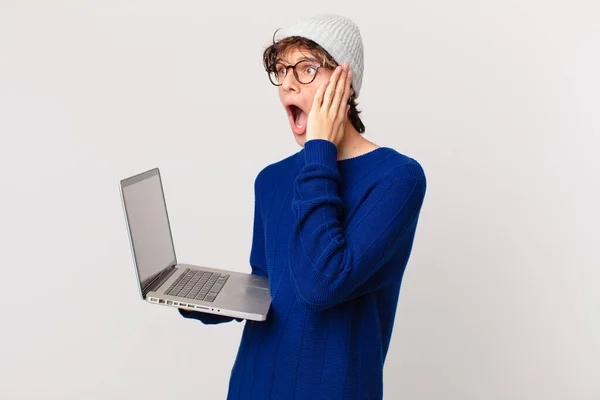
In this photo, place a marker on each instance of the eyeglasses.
(305, 72)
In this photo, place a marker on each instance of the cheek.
(310, 96)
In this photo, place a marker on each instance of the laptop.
(162, 280)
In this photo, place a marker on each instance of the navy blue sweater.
(334, 238)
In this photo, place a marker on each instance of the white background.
(498, 100)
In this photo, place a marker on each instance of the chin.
(300, 140)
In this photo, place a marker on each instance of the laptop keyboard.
(198, 285)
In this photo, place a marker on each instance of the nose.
(289, 82)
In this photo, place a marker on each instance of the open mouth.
(297, 116)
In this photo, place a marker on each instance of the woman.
(333, 230)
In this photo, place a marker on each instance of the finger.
(339, 93)
(343, 107)
(318, 99)
(331, 89)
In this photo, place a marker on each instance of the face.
(297, 98)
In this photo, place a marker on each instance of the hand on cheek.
(329, 112)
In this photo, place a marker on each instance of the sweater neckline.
(357, 162)
(362, 159)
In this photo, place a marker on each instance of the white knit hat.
(338, 35)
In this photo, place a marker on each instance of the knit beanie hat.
(338, 35)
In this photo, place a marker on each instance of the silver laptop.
(162, 280)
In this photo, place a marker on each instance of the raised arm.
(330, 264)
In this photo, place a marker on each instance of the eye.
(309, 68)
(280, 70)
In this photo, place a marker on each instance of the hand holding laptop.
(220, 294)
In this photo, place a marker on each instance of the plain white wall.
(497, 100)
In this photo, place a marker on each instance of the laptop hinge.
(159, 279)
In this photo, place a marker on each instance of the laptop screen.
(148, 222)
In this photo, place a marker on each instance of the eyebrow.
(298, 60)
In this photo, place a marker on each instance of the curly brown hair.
(272, 52)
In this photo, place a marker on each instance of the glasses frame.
(293, 67)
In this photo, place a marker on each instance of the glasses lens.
(306, 71)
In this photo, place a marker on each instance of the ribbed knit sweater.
(334, 238)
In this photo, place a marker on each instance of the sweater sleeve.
(258, 258)
(257, 261)
(330, 264)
